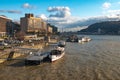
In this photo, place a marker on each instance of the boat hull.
(56, 57)
(32, 62)
(58, 52)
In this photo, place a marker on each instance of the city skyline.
(62, 12)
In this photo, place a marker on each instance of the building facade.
(12, 28)
(4, 21)
(49, 29)
(31, 24)
(52, 29)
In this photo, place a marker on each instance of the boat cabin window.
(54, 52)
(37, 54)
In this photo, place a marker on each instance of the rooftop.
(1, 16)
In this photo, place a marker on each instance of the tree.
(20, 35)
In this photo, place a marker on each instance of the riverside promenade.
(23, 50)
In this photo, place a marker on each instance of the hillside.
(108, 27)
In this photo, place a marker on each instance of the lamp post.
(14, 33)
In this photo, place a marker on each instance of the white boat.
(56, 54)
(72, 38)
(84, 39)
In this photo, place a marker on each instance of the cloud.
(72, 23)
(43, 16)
(52, 9)
(60, 12)
(119, 2)
(76, 24)
(27, 6)
(10, 11)
(114, 12)
(106, 5)
(73, 29)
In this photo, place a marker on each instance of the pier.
(19, 52)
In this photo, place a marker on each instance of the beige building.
(44, 26)
(49, 29)
(29, 23)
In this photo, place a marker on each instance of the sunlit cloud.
(106, 5)
(28, 6)
(114, 11)
(73, 23)
(43, 16)
(60, 12)
(118, 2)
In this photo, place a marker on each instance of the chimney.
(29, 15)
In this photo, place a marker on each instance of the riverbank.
(23, 50)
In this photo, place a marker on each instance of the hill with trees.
(108, 27)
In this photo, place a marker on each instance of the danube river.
(98, 59)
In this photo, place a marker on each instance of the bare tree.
(20, 35)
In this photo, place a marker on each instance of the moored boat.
(84, 39)
(72, 38)
(58, 52)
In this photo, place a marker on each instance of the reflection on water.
(98, 59)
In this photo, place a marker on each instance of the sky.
(72, 14)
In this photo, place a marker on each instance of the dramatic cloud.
(28, 6)
(75, 24)
(10, 11)
(65, 22)
(60, 12)
(106, 5)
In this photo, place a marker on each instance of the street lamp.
(14, 33)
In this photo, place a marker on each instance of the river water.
(98, 59)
